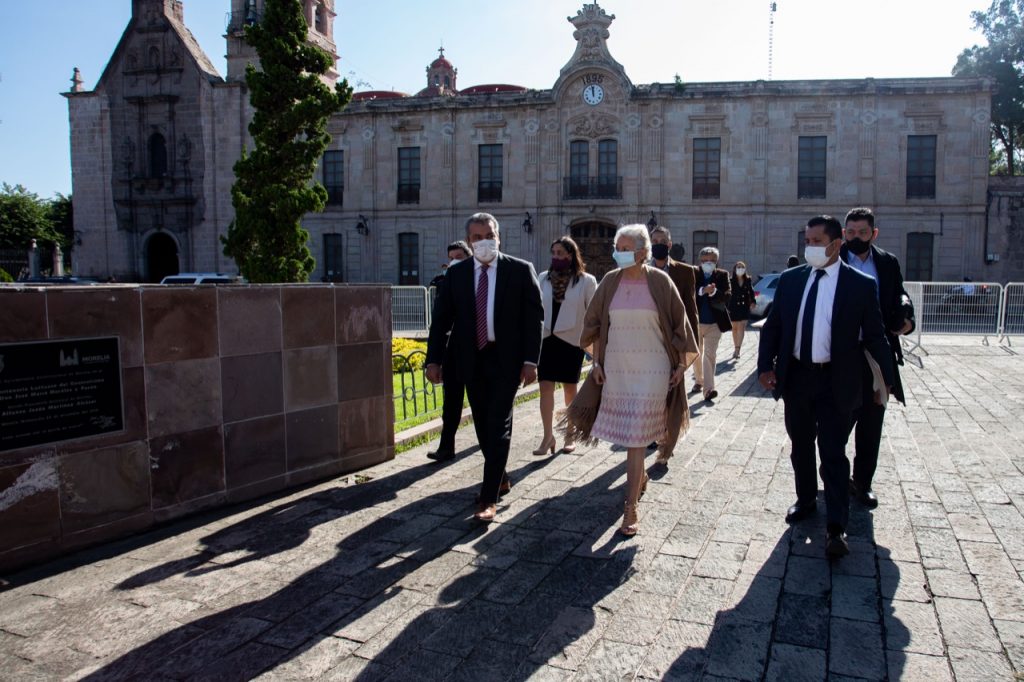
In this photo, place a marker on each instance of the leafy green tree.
(62, 221)
(274, 184)
(1001, 60)
(24, 217)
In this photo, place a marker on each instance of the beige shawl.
(680, 344)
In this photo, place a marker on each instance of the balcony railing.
(409, 194)
(488, 192)
(237, 21)
(592, 187)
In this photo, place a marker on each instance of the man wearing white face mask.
(810, 355)
(713, 293)
(491, 307)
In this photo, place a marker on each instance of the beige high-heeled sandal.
(630, 522)
(569, 445)
(546, 445)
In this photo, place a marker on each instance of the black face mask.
(659, 251)
(858, 246)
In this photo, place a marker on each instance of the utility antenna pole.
(772, 7)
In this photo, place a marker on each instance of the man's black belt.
(816, 366)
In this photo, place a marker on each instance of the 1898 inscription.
(58, 390)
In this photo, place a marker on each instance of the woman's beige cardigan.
(680, 345)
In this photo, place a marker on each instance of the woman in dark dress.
(740, 305)
(566, 290)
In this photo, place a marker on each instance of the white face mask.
(708, 267)
(624, 259)
(816, 256)
(485, 250)
(741, 271)
(454, 261)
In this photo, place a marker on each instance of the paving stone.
(685, 540)
(912, 626)
(665, 575)
(790, 663)
(376, 614)
(855, 598)
(569, 638)
(972, 665)
(702, 599)
(807, 576)
(490, 660)
(206, 651)
(756, 597)
(945, 583)
(426, 666)
(905, 581)
(466, 628)
(966, 624)
(355, 668)
(243, 663)
(404, 636)
(679, 653)
(1011, 634)
(803, 620)
(855, 649)
(311, 620)
(918, 667)
(721, 560)
(738, 647)
(515, 583)
(469, 582)
(313, 661)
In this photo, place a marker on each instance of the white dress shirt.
(821, 348)
(492, 278)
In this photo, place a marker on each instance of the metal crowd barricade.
(410, 310)
(961, 308)
(912, 343)
(1012, 314)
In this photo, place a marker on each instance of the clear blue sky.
(388, 45)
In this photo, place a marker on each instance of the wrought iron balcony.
(592, 187)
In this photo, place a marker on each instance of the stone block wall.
(229, 393)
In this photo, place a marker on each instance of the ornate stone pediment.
(491, 120)
(594, 125)
(591, 33)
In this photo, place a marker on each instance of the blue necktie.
(807, 326)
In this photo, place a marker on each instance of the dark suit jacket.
(720, 301)
(518, 318)
(854, 310)
(684, 276)
(896, 306)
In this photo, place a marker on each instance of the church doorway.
(161, 257)
(595, 241)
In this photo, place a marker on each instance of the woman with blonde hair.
(643, 344)
(740, 305)
(566, 290)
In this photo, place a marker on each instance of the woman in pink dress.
(643, 344)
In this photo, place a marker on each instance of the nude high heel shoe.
(630, 523)
(548, 444)
(569, 445)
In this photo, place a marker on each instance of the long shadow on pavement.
(388, 584)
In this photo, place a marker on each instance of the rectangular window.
(408, 175)
(919, 256)
(811, 167)
(707, 156)
(489, 183)
(408, 259)
(702, 238)
(334, 256)
(921, 166)
(607, 169)
(579, 161)
(801, 244)
(334, 176)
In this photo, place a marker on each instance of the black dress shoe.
(800, 511)
(441, 454)
(867, 498)
(836, 546)
(711, 395)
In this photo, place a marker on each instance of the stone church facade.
(737, 165)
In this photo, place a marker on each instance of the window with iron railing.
(707, 152)
(811, 167)
(920, 254)
(489, 182)
(408, 175)
(921, 166)
(334, 176)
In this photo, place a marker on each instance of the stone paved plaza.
(385, 576)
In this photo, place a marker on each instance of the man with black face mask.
(862, 254)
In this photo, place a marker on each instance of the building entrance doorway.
(595, 241)
(161, 257)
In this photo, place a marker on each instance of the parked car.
(63, 280)
(764, 294)
(200, 278)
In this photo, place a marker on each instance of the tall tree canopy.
(273, 184)
(1002, 60)
(24, 217)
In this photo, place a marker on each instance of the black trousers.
(868, 434)
(812, 416)
(491, 398)
(451, 413)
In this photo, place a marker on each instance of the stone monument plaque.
(52, 391)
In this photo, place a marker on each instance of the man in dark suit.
(811, 354)
(491, 307)
(898, 317)
(713, 293)
(683, 275)
(454, 391)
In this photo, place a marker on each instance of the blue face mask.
(624, 259)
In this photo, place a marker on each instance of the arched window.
(157, 156)
(447, 82)
(321, 18)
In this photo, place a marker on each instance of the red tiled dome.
(368, 95)
(491, 88)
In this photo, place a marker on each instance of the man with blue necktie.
(825, 315)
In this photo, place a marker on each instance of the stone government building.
(738, 165)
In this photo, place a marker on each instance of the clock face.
(593, 94)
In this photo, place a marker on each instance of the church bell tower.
(319, 16)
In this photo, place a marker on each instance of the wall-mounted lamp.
(363, 226)
(652, 222)
(528, 223)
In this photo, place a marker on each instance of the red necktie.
(481, 308)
